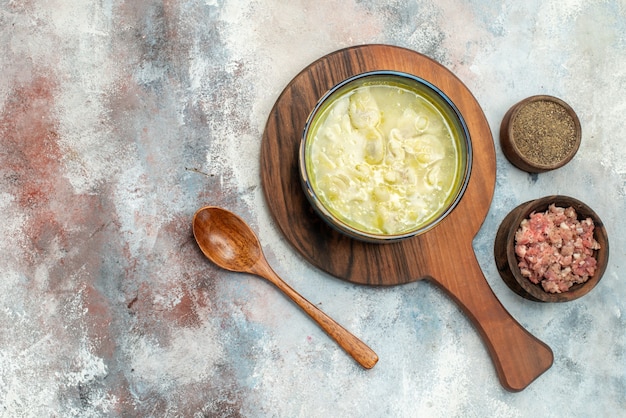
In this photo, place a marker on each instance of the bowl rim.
(512, 151)
(345, 228)
(505, 243)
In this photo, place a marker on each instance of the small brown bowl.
(540, 133)
(507, 261)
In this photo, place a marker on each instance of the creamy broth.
(383, 159)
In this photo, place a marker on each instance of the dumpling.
(374, 147)
(363, 110)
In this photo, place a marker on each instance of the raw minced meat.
(555, 249)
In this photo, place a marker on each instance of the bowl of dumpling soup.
(384, 156)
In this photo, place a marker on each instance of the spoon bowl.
(226, 240)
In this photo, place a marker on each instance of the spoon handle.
(364, 355)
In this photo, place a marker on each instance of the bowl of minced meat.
(552, 249)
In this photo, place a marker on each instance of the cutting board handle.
(518, 356)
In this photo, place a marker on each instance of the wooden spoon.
(228, 241)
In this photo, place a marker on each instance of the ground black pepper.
(544, 132)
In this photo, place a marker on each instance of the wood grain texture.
(444, 254)
(329, 250)
(228, 241)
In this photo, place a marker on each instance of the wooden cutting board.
(444, 255)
